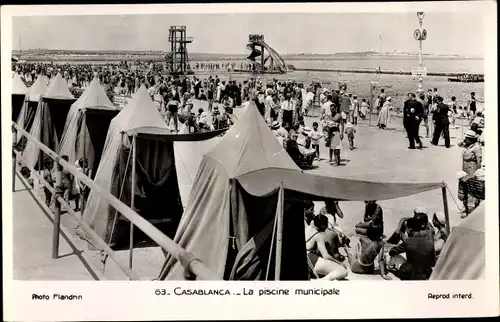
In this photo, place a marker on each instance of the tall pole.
(420, 80)
(132, 202)
(446, 209)
(420, 35)
(279, 232)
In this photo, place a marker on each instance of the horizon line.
(243, 54)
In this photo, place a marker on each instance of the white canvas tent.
(28, 110)
(138, 166)
(49, 120)
(463, 255)
(87, 124)
(188, 156)
(19, 91)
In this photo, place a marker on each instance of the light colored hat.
(388, 98)
(440, 217)
(479, 174)
(275, 124)
(420, 210)
(189, 102)
(461, 174)
(471, 134)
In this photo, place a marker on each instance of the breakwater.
(374, 71)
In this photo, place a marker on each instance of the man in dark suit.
(442, 123)
(412, 116)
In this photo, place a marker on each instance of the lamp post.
(420, 35)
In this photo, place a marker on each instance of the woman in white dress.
(384, 116)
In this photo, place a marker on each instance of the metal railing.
(194, 268)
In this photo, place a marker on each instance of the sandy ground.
(380, 155)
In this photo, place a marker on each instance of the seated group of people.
(298, 140)
(420, 240)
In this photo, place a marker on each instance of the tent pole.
(82, 199)
(279, 233)
(132, 197)
(446, 210)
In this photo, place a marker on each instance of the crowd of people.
(283, 104)
(217, 66)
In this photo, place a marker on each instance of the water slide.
(273, 62)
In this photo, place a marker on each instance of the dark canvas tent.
(147, 182)
(50, 117)
(87, 125)
(228, 221)
(463, 255)
(19, 91)
(28, 110)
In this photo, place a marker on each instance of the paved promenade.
(32, 242)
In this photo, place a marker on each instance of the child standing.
(364, 109)
(82, 165)
(315, 136)
(350, 131)
(335, 144)
(48, 165)
(66, 185)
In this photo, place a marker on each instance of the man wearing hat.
(280, 132)
(412, 116)
(219, 121)
(287, 108)
(345, 111)
(442, 123)
(472, 158)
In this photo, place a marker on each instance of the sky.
(323, 33)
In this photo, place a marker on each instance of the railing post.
(57, 213)
(14, 162)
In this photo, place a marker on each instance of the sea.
(396, 86)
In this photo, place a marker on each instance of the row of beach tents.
(216, 196)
